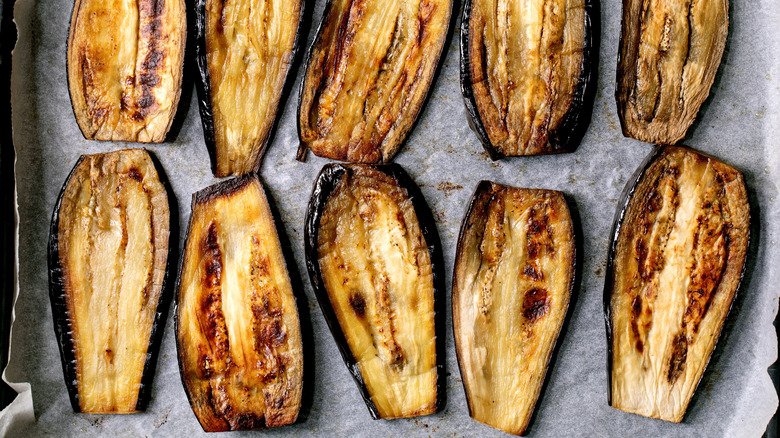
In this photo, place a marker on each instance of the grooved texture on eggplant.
(108, 254)
(675, 266)
(245, 53)
(237, 328)
(526, 73)
(125, 62)
(373, 257)
(514, 273)
(668, 57)
(368, 73)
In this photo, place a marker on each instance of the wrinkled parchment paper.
(740, 123)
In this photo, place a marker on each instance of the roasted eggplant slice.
(527, 73)
(237, 328)
(677, 258)
(367, 77)
(244, 50)
(108, 257)
(125, 63)
(374, 259)
(514, 273)
(669, 54)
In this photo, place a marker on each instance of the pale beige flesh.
(511, 289)
(377, 271)
(249, 45)
(526, 60)
(125, 61)
(669, 54)
(113, 246)
(678, 262)
(238, 332)
(368, 76)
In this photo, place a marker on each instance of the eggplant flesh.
(237, 328)
(245, 55)
(668, 57)
(375, 277)
(675, 266)
(368, 74)
(125, 62)
(525, 70)
(108, 255)
(514, 273)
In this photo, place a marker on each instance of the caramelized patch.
(358, 304)
(535, 304)
(678, 357)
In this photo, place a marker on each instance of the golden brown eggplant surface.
(377, 271)
(368, 75)
(677, 264)
(512, 283)
(249, 49)
(526, 64)
(125, 61)
(669, 53)
(112, 245)
(238, 332)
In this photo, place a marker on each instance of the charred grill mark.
(636, 313)
(535, 304)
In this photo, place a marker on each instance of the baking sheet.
(740, 123)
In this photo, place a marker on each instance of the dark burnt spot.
(358, 304)
(640, 347)
(678, 358)
(206, 367)
(151, 62)
(135, 174)
(397, 357)
(273, 334)
(213, 258)
(533, 272)
(151, 8)
(535, 304)
(640, 247)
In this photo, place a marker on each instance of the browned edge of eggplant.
(226, 188)
(179, 115)
(59, 306)
(575, 124)
(326, 181)
(302, 148)
(197, 17)
(477, 198)
(622, 207)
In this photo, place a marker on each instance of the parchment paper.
(740, 123)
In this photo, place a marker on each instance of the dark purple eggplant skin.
(574, 126)
(203, 86)
(302, 148)
(59, 306)
(326, 181)
(625, 198)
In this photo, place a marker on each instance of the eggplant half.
(237, 329)
(125, 65)
(677, 258)
(374, 259)
(244, 50)
(528, 74)
(108, 258)
(367, 77)
(513, 279)
(668, 56)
